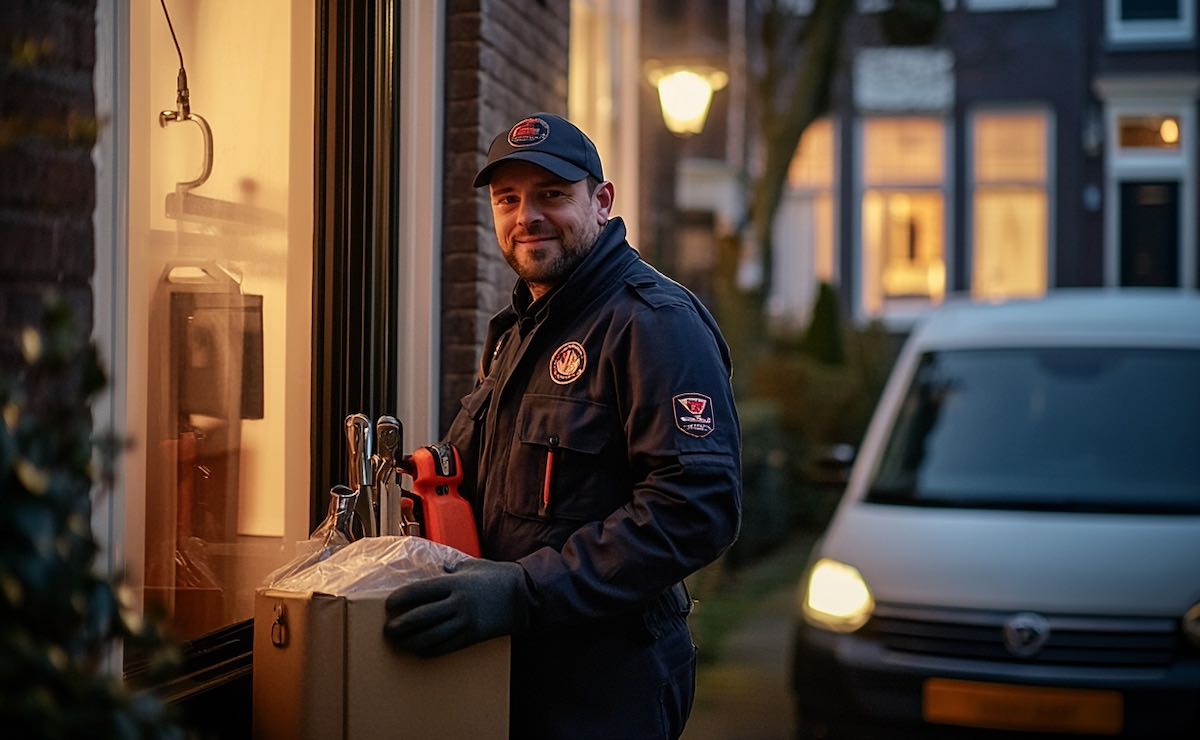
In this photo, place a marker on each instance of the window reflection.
(221, 276)
(1080, 428)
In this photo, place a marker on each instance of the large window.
(601, 100)
(1010, 229)
(219, 304)
(904, 174)
(804, 238)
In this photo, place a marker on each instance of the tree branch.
(806, 99)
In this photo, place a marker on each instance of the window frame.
(213, 691)
(791, 193)
(1170, 32)
(902, 319)
(1047, 184)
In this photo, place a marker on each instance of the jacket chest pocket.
(559, 466)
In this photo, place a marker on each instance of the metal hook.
(168, 116)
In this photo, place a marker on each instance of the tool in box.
(433, 508)
(445, 515)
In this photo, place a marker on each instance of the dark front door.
(1150, 234)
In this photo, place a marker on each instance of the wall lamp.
(685, 94)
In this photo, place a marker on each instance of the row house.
(1028, 146)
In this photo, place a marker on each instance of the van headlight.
(836, 597)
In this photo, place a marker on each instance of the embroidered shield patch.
(567, 363)
(693, 414)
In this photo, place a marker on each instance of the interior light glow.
(1168, 131)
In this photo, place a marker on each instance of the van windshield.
(1078, 429)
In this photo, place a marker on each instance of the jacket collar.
(608, 259)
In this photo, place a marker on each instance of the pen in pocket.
(548, 481)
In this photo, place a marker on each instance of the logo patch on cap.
(528, 132)
(567, 363)
(693, 414)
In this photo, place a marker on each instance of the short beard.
(573, 252)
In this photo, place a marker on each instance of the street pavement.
(745, 695)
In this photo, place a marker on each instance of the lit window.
(803, 237)
(903, 218)
(1150, 21)
(220, 315)
(1009, 214)
(1149, 132)
(600, 98)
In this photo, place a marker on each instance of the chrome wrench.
(362, 474)
(388, 435)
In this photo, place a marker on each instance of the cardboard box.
(322, 669)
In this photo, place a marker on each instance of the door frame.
(1122, 214)
(1125, 96)
(377, 251)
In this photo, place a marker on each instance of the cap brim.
(549, 162)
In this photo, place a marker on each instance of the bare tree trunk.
(786, 113)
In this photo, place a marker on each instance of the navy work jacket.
(601, 450)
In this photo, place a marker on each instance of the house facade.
(1029, 146)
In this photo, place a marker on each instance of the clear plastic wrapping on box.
(369, 564)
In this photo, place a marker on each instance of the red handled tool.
(445, 515)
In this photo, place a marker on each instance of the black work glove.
(475, 601)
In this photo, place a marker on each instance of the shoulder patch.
(693, 414)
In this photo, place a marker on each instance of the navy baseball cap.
(549, 141)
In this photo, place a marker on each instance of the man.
(601, 450)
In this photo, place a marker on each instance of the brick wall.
(504, 59)
(47, 181)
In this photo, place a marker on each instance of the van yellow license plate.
(1031, 708)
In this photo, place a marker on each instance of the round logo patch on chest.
(567, 363)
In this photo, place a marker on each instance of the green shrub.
(806, 393)
(766, 514)
(59, 619)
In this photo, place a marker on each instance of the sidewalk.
(746, 695)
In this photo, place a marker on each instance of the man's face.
(545, 225)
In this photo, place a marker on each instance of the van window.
(1071, 429)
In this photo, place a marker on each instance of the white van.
(1018, 546)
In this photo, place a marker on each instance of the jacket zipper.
(548, 481)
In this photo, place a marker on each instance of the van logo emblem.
(1025, 634)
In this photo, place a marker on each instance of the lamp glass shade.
(685, 97)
